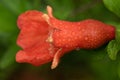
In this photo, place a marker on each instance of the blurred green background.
(77, 65)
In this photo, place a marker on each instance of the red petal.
(32, 38)
(33, 29)
(37, 55)
(40, 54)
(25, 19)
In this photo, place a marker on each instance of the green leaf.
(113, 5)
(114, 46)
(113, 49)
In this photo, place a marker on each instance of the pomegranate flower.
(34, 32)
(44, 38)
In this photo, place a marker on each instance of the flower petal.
(25, 19)
(41, 54)
(34, 29)
(37, 55)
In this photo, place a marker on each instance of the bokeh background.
(76, 65)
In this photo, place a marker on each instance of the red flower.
(43, 38)
(34, 31)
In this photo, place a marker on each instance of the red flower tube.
(44, 38)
